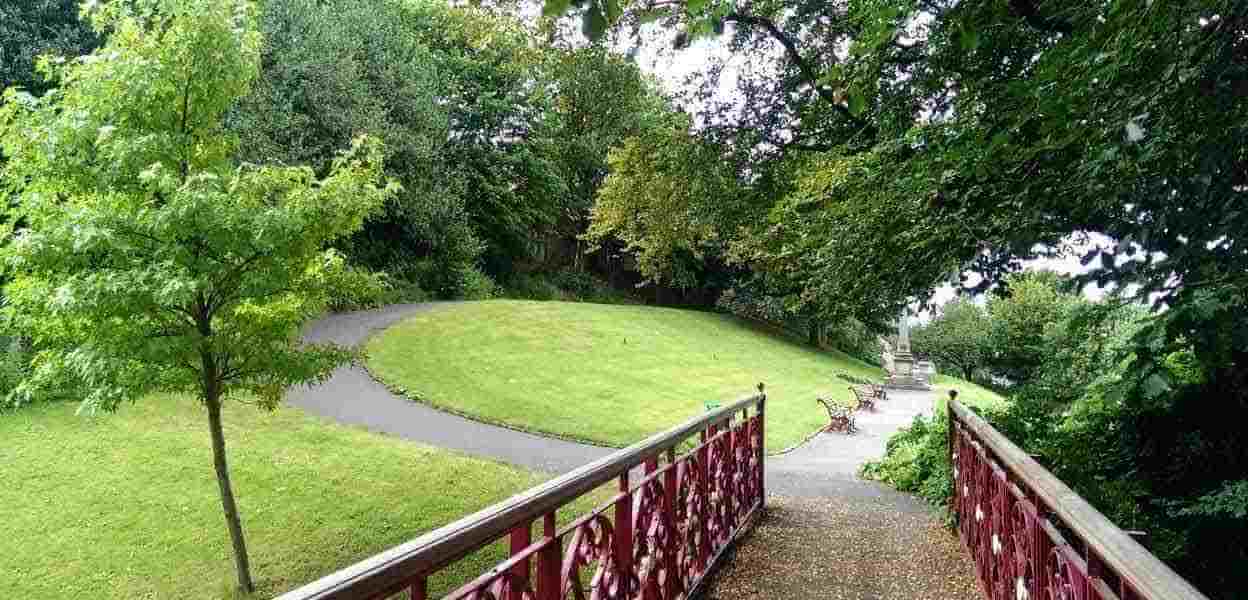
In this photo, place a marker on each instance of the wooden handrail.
(1145, 574)
(390, 569)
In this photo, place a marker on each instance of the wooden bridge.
(684, 497)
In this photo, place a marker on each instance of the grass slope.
(126, 505)
(970, 394)
(607, 374)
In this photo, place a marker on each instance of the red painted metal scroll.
(1033, 538)
(675, 513)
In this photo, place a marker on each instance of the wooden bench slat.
(839, 418)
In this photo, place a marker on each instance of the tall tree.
(600, 100)
(149, 261)
(333, 70)
(957, 338)
(656, 201)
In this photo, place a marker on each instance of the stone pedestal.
(904, 375)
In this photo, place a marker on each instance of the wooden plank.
(429, 552)
(1135, 565)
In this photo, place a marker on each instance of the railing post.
(704, 504)
(521, 537)
(726, 491)
(624, 536)
(949, 451)
(548, 561)
(650, 587)
(670, 566)
(419, 590)
(762, 447)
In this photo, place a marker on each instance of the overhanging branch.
(1030, 14)
(804, 67)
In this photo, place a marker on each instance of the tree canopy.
(956, 339)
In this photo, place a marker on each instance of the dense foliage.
(1063, 359)
(500, 142)
(333, 70)
(499, 145)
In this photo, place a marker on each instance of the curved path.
(826, 533)
(826, 464)
(353, 397)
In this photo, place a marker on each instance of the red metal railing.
(1032, 537)
(670, 522)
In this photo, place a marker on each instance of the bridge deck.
(830, 535)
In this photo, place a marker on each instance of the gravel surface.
(847, 548)
(828, 534)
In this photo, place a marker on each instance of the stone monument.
(904, 376)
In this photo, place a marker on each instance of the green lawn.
(970, 394)
(126, 505)
(604, 373)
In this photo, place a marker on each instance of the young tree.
(957, 338)
(148, 260)
(1024, 314)
(656, 197)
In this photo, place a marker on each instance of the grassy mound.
(606, 374)
(126, 505)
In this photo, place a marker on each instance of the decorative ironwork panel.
(657, 538)
(1018, 545)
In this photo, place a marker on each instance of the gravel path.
(827, 534)
(847, 549)
(827, 465)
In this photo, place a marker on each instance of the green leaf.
(1155, 385)
(857, 103)
(694, 7)
(555, 8)
(968, 39)
(594, 24)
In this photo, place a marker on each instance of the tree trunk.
(968, 372)
(213, 400)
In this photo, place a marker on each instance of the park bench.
(839, 417)
(874, 391)
(866, 396)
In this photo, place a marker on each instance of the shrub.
(579, 284)
(476, 285)
(916, 460)
(13, 367)
(358, 289)
(854, 379)
(533, 286)
(564, 285)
